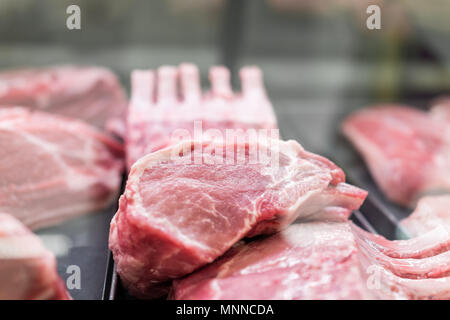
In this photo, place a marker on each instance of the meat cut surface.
(27, 268)
(320, 260)
(159, 115)
(431, 212)
(54, 168)
(406, 150)
(315, 260)
(92, 94)
(185, 205)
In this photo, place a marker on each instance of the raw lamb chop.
(160, 114)
(431, 212)
(319, 260)
(406, 150)
(92, 94)
(185, 205)
(27, 268)
(54, 168)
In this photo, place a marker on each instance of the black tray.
(81, 243)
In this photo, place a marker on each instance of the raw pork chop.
(159, 116)
(406, 150)
(27, 268)
(315, 260)
(431, 212)
(320, 260)
(92, 94)
(53, 168)
(185, 205)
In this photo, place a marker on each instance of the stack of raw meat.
(53, 166)
(178, 214)
(187, 204)
(408, 154)
(216, 205)
(57, 161)
(193, 206)
(322, 260)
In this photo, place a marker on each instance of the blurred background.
(319, 60)
(318, 57)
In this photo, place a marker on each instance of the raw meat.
(320, 260)
(421, 274)
(429, 244)
(54, 168)
(160, 116)
(92, 94)
(306, 261)
(27, 268)
(415, 258)
(185, 205)
(406, 150)
(431, 212)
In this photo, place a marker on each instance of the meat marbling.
(177, 215)
(54, 168)
(27, 268)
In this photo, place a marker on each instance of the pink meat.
(53, 168)
(406, 150)
(27, 268)
(178, 214)
(422, 262)
(427, 245)
(168, 106)
(320, 260)
(423, 275)
(432, 212)
(315, 260)
(92, 94)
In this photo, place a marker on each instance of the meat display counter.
(319, 65)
